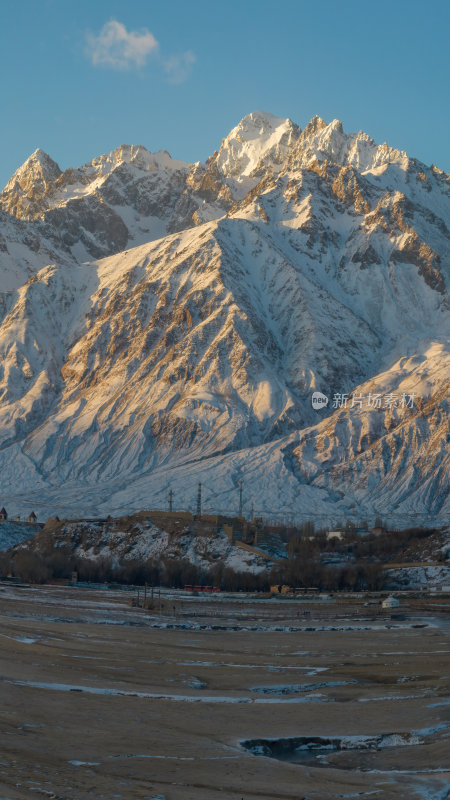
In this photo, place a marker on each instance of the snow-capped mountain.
(164, 323)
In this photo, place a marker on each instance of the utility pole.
(241, 483)
(252, 512)
(199, 500)
(170, 500)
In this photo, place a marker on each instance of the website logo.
(319, 401)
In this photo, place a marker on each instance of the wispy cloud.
(179, 67)
(117, 48)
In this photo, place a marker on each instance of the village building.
(3, 514)
(338, 534)
(32, 517)
(390, 602)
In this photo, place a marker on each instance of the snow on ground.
(12, 533)
(142, 541)
(431, 577)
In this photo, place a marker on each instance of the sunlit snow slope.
(163, 323)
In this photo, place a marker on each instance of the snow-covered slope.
(290, 262)
(13, 533)
(138, 539)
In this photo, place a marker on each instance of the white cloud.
(118, 48)
(178, 67)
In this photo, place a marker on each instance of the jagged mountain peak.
(260, 141)
(259, 123)
(41, 156)
(336, 125)
(315, 125)
(328, 142)
(22, 195)
(138, 156)
(37, 171)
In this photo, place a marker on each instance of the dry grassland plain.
(100, 699)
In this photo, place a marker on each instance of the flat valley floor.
(100, 699)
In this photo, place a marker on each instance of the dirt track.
(98, 702)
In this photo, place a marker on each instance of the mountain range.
(165, 323)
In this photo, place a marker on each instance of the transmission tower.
(170, 500)
(199, 500)
(241, 483)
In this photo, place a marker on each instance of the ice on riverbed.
(99, 690)
(155, 797)
(21, 639)
(296, 688)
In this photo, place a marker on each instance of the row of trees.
(32, 566)
(58, 563)
(388, 546)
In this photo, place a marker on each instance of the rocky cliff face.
(290, 262)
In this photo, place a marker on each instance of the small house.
(3, 514)
(280, 589)
(390, 602)
(32, 517)
(335, 534)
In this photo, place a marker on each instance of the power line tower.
(252, 511)
(241, 483)
(170, 500)
(199, 500)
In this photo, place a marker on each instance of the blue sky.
(80, 78)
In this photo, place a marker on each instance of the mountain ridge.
(188, 313)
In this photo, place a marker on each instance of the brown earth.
(73, 726)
